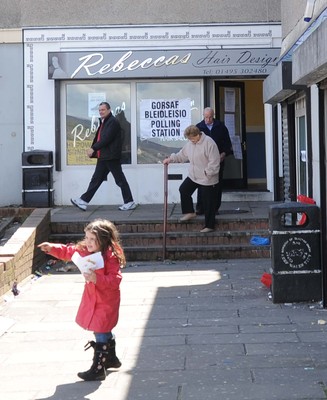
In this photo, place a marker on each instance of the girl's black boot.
(112, 360)
(97, 372)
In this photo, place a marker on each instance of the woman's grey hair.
(192, 131)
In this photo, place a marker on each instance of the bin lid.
(286, 216)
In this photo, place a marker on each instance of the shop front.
(157, 81)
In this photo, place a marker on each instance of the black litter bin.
(295, 253)
(37, 168)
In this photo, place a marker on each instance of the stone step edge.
(217, 233)
(174, 220)
(192, 248)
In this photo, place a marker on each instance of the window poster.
(81, 131)
(235, 138)
(80, 139)
(164, 119)
(229, 100)
(230, 124)
(94, 99)
(237, 148)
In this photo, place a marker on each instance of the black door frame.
(323, 193)
(237, 183)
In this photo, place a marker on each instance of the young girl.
(99, 307)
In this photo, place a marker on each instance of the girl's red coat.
(99, 308)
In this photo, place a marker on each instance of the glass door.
(230, 109)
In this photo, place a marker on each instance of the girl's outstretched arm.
(46, 247)
(58, 250)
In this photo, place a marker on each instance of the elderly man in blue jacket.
(218, 131)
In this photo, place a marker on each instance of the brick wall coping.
(19, 257)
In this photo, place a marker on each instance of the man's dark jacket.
(219, 133)
(111, 139)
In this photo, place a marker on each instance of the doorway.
(230, 106)
(239, 104)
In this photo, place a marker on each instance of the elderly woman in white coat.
(203, 155)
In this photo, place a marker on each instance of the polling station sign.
(164, 119)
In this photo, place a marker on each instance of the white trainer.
(128, 206)
(81, 204)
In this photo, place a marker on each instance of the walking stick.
(167, 177)
(165, 212)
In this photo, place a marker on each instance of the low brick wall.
(20, 257)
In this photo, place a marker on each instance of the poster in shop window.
(81, 131)
(94, 99)
(164, 119)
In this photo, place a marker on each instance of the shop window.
(176, 105)
(82, 117)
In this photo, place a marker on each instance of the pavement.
(143, 212)
(187, 331)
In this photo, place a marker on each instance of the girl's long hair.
(107, 236)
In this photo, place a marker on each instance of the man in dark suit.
(219, 133)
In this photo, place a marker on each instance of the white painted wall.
(146, 182)
(269, 147)
(315, 143)
(11, 123)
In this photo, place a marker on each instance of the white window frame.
(301, 154)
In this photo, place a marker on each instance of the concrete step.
(217, 252)
(179, 238)
(247, 196)
(144, 240)
(155, 225)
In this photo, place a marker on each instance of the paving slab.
(187, 330)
